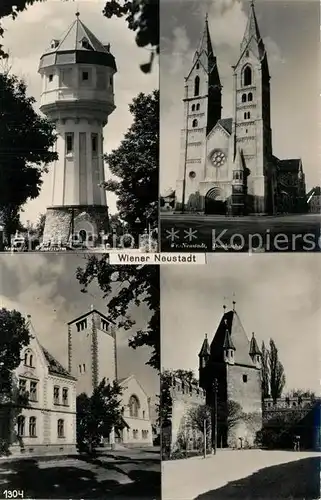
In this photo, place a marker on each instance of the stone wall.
(91, 221)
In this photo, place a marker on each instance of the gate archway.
(214, 203)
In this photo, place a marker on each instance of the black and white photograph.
(80, 384)
(79, 126)
(239, 125)
(240, 380)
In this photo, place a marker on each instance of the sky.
(45, 286)
(27, 37)
(290, 30)
(276, 296)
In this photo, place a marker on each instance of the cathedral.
(227, 165)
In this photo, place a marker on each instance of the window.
(69, 143)
(56, 395)
(85, 76)
(193, 107)
(84, 368)
(192, 175)
(31, 360)
(50, 78)
(65, 396)
(79, 368)
(135, 433)
(26, 359)
(60, 428)
(21, 426)
(33, 391)
(81, 325)
(196, 85)
(22, 385)
(104, 325)
(143, 413)
(243, 97)
(247, 116)
(247, 76)
(85, 44)
(244, 378)
(32, 427)
(198, 65)
(247, 53)
(195, 123)
(197, 106)
(144, 434)
(250, 96)
(94, 144)
(133, 406)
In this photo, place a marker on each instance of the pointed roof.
(205, 349)
(78, 37)
(228, 343)
(80, 41)
(239, 160)
(254, 348)
(205, 48)
(206, 42)
(231, 322)
(252, 32)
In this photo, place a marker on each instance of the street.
(243, 474)
(125, 474)
(207, 233)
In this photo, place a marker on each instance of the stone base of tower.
(75, 225)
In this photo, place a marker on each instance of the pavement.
(207, 233)
(123, 474)
(243, 474)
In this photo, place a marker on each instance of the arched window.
(197, 85)
(60, 428)
(247, 76)
(26, 359)
(21, 426)
(193, 107)
(197, 106)
(31, 360)
(195, 123)
(248, 115)
(32, 427)
(250, 96)
(134, 406)
(245, 116)
(243, 97)
(198, 66)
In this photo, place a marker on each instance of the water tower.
(77, 73)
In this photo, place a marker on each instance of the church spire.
(252, 33)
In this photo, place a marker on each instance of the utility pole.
(214, 430)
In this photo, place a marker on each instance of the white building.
(77, 73)
(48, 424)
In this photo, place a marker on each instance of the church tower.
(251, 121)
(77, 73)
(91, 350)
(202, 110)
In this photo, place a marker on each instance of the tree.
(40, 225)
(198, 416)
(301, 393)
(14, 335)
(142, 17)
(265, 372)
(276, 369)
(136, 164)
(98, 414)
(25, 142)
(139, 285)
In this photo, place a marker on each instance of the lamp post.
(214, 428)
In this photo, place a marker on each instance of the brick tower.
(78, 96)
(234, 362)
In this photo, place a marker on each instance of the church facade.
(227, 165)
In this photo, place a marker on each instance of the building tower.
(234, 362)
(78, 96)
(251, 121)
(92, 351)
(238, 200)
(202, 110)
